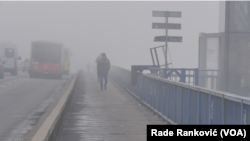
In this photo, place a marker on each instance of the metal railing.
(204, 78)
(180, 103)
(189, 76)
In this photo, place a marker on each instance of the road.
(23, 100)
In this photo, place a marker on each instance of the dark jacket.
(103, 66)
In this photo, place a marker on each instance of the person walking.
(97, 60)
(103, 67)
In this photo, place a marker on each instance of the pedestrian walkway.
(108, 115)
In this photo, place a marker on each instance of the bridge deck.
(108, 115)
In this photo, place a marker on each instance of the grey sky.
(123, 30)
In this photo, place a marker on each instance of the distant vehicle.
(10, 57)
(46, 58)
(66, 58)
(25, 65)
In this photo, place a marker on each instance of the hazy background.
(123, 30)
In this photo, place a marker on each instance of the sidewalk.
(108, 115)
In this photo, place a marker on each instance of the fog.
(122, 30)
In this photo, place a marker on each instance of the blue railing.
(181, 103)
(189, 76)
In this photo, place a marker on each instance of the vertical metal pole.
(199, 107)
(166, 62)
(209, 113)
(189, 105)
(241, 112)
(182, 105)
(196, 77)
(175, 92)
(152, 56)
(156, 57)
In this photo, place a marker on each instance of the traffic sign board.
(170, 39)
(163, 14)
(163, 26)
(174, 14)
(159, 14)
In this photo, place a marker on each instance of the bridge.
(123, 111)
(74, 108)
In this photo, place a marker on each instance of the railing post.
(158, 97)
(224, 120)
(244, 114)
(142, 89)
(241, 111)
(163, 93)
(168, 99)
(183, 75)
(199, 107)
(196, 77)
(189, 105)
(174, 103)
(211, 108)
(182, 105)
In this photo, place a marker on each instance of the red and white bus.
(46, 58)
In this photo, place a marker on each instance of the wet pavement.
(109, 115)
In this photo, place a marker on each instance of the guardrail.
(189, 76)
(181, 103)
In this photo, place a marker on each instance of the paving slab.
(108, 115)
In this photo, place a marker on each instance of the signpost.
(170, 39)
(164, 14)
(166, 38)
(163, 26)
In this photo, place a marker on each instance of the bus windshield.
(66, 53)
(9, 52)
(46, 52)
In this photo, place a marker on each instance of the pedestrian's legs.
(98, 77)
(106, 81)
(101, 83)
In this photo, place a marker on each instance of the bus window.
(37, 53)
(45, 52)
(66, 53)
(53, 54)
(9, 53)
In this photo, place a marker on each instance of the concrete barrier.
(50, 128)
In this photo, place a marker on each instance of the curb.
(47, 131)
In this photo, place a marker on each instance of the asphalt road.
(23, 100)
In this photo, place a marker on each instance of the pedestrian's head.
(104, 56)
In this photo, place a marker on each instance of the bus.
(66, 67)
(46, 58)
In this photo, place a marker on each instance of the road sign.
(166, 26)
(163, 14)
(163, 26)
(170, 39)
(159, 14)
(174, 14)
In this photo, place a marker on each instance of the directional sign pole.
(166, 39)
(166, 61)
